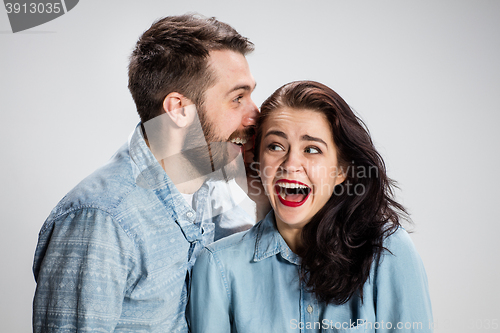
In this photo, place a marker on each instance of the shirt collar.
(270, 242)
(150, 175)
(147, 171)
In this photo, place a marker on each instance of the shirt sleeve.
(208, 309)
(401, 288)
(81, 266)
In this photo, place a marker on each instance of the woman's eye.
(313, 150)
(275, 147)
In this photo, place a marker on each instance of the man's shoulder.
(105, 189)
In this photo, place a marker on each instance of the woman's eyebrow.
(278, 133)
(305, 137)
(312, 138)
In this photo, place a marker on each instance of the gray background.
(424, 75)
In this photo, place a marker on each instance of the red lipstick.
(289, 203)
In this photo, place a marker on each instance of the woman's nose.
(293, 162)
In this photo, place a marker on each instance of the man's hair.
(172, 56)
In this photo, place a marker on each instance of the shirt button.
(189, 214)
(309, 308)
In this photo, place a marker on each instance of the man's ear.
(174, 106)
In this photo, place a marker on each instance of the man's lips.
(292, 193)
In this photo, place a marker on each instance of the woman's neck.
(291, 234)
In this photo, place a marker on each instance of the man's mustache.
(245, 134)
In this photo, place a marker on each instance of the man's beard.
(211, 154)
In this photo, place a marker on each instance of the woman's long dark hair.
(345, 237)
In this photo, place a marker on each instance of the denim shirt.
(116, 253)
(249, 283)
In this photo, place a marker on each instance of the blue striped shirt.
(116, 253)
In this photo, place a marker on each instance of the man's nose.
(251, 115)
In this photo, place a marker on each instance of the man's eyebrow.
(312, 138)
(278, 133)
(245, 87)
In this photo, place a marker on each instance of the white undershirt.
(188, 198)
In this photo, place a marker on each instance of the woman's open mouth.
(291, 192)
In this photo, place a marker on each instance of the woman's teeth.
(292, 185)
(293, 191)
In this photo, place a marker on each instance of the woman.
(331, 255)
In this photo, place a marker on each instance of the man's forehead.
(231, 70)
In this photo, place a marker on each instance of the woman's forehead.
(297, 120)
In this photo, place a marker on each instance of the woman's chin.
(293, 215)
(290, 218)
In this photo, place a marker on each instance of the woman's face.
(298, 164)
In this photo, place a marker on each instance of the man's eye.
(237, 99)
(313, 150)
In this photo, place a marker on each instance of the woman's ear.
(340, 175)
(174, 106)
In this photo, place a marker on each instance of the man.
(116, 253)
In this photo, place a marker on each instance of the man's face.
(228, 113)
